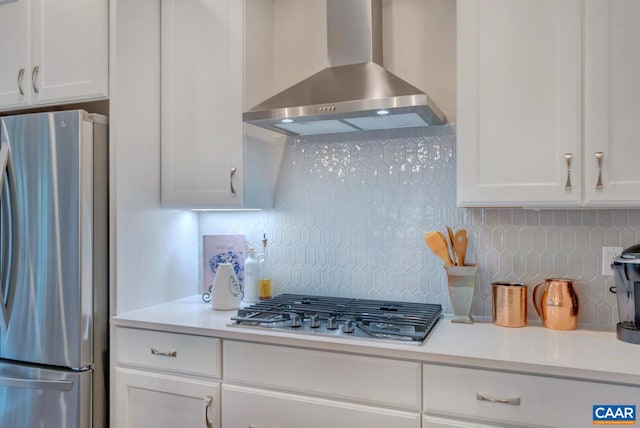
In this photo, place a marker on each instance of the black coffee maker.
(626, 269)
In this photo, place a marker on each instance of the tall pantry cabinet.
(546, 107)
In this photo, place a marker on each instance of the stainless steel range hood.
(355, 93)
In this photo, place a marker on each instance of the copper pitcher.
(558, 303)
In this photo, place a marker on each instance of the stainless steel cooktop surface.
(342, 317)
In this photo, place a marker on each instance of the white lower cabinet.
(165, 380)
(345, 377)
(268, 386)
(258, 408)
(156, 400)
(172, 380)
(489, 398)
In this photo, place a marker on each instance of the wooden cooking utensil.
(451, 246)
(436, 241)
(460, 242)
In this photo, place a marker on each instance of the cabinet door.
(154, 400)
(249, 407)
(519, 102)
(202, 134)
(69, 50)
(612, 91)
(14, 46)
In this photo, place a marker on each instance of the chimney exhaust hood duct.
(355, 93)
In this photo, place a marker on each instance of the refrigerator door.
(8, 230)
(35, 398)
(50, 284)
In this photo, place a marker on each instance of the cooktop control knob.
(332, 323)
(349, 326)
(296, 320)
(315, 321)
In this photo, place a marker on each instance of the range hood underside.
(347, 117)
(345, 99)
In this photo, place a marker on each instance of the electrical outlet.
(608, 254)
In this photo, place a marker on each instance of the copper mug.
(558, 303)
(509, 304)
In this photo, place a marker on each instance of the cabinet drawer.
(375, 381)
(180, 353)
(251, 407)
(552, 402)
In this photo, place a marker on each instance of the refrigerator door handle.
(58, 385)
(9, 262)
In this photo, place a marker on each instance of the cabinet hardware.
(156, 351)
(207, 421)
(55, 385)
(483, 397)
(599, 157)
(231, 175)
(568, 157)
(34, 77)
(20, 77)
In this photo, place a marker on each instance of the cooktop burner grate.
(339, 316)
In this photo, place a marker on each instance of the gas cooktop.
(342, 317)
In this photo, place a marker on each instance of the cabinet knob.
(599, 158)
(568, 157)
(20, 78)
(34, 78)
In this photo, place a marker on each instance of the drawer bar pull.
(483, 397)
(207, 421)
(156, 351)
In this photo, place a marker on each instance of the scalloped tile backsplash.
(351, 211)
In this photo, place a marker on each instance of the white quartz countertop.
(584, 354)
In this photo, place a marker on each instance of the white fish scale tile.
(351, 211)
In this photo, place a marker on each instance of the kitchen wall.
(152, 248)
(351, 211)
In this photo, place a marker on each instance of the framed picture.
(218, 249)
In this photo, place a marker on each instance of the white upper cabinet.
(201, 103)
(208, 161)
(70, 44)
(53, 52)
(519, 101)
(535, 90)
(612, 91)
(14, 45)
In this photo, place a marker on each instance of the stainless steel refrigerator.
(53, 270)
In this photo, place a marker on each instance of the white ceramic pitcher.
(226, 292)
